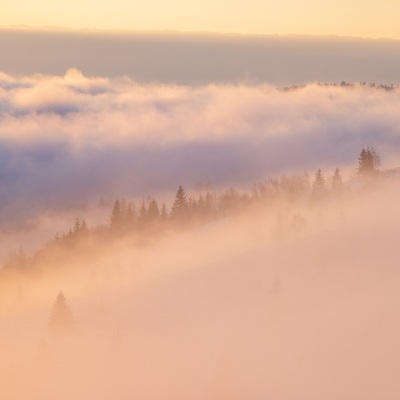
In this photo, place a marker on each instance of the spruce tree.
(337, 182)
(368, 162)
(142, 218)
(164, 213)
(153, 213)
(116, 219)
(130, 216)
(376, 159)
(61, 319)
(84, 227)
(77, 226)
(179, 210)
(318, 191)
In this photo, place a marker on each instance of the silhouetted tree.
(318, 191)
(153, 213)
(60, 320)
(164, 213)
(130, 216)
(116, 220)
(142, 218)
(368, 162)
(376, 159)
(179, 209)
(77, 226)
(192, 206)
(84, 227)
(337, 182)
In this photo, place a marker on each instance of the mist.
(245, 306)
(285, 290)
(72, 140)
(72, 143)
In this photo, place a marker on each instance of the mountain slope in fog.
(231, 314)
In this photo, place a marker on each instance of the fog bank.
(201, 58)
(228, 310)
(70, 140)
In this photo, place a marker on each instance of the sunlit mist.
(217, 241)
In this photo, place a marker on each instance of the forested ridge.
(144, 222)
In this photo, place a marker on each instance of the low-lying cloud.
(228, 310)
(70, 140)
(245, 306)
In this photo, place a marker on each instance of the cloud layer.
(243, 307)
(69, 140)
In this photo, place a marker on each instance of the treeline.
(144, 222)
(345, 84)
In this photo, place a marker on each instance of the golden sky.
(361, 18)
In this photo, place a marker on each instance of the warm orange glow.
(351, 18)
(285, 289)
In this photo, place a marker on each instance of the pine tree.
(61, 319)
(77, 226)
(376, 159)
(116, 220)
(368, 162)
(164, 213)
(153, 213)
(142, 218)
(130, 216)
(337, 182)
(179, 210)
(84, 227)
(318, 191)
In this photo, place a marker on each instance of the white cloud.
(73, 139)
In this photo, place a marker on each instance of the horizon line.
(166, 31)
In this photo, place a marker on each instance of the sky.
(358, 18)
